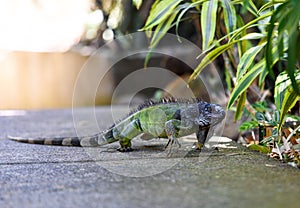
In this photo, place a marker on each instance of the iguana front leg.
(202, 134)
(172, 128)
(175, 128)
(201, 137)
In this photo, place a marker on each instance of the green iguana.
(169, 118)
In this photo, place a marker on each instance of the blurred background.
(44, 45)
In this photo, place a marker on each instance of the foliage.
(264, 116)
(284, 29)
(279, 143)
(258, 41)
(252, 48)
(285, 96)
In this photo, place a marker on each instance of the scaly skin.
(170, 118)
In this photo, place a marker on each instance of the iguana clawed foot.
(198, 146)
(125, 149)
(125, 145)
(170, 144)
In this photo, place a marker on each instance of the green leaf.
(288, 25)
(248, 125)
(248, 5)
(248, 59)
(276, 116)
(159, 33)
(187, 6)
(147, 59)
(245, 82)
(293, 55)
(137, 3)
(160, 11)
(228, 80)
(240, 106)
(212, 55)
(259, 148)
(260, 106)
(285, 21)
(161, 29)
(260, 117)
(267, 140)
(282, 84)
(208, 22)
(252, 36)
(275, 54)
(238, 31)
(289, 100)
(244, 45)
(252, 8)
(229, 15)
(267, 6)
(262, 77)
(270, 37)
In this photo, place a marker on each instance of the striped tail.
(86, 141)
(98, 139)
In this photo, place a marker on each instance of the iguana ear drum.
(177, 115)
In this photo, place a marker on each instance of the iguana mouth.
(218, 112)
(217, 115)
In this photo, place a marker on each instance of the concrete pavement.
(55, 176)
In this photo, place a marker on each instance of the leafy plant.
(264, 116)
(272, 140)
(252, 48)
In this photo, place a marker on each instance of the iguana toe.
(198, 146)
(125, 149)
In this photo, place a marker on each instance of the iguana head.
(210, 114)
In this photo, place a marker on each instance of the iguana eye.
(207, 108)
